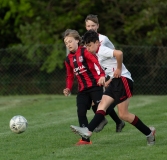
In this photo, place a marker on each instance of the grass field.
(48, 136)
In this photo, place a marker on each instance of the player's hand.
(117, 73)
(101, 81)
(108, 82)
(66, 91)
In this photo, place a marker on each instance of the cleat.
(83, 132)
(120, 126)
(101, 125)
(151, 137)
(81, 142)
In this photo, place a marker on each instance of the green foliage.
(148, 27)
(13, 14)
(56, 59)
(34, 23)
(37, 33)
(125, 22)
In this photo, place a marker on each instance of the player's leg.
(119, 123)
(82, 103)
(106, 101)
(96, 95)
(99, 116)
(135, 121)
(111, 112)
(121, 94)
(126, 87)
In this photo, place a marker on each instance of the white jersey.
(105, 41)
(109, 63)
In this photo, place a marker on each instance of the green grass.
(48, 136)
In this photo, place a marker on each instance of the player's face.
(71, 43)
(92, 47)
(91, 25)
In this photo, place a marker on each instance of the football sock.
(99, 116)
(111, 112)
(141, 126)
(115, 117)
(110, 108)
(83, 122)
(94, 108)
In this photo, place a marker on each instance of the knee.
(123, 116)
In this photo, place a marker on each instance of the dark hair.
(92, 18)
(90, 36)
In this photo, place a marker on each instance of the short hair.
(93, 18)
(90, 36)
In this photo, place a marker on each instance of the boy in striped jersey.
(119, 91)
(86, 68)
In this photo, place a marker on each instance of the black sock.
(83, 122)
(94, 108)
(113, 114)
(99, 116)
(115, 117)
(141, 126)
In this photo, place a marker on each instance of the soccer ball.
(18, 124)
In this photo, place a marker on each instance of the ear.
(97, 42)
(97, 26)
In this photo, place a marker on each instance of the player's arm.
(119, 57)
(69, 79)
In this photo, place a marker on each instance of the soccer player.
(119, 90)
(92, 23)
(86, 68)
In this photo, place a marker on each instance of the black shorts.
(120, 89)
(84, 98)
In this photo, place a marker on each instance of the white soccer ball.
(18, 124)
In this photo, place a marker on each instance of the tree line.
(32, 30)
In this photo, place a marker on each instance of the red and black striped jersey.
(85, 66)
